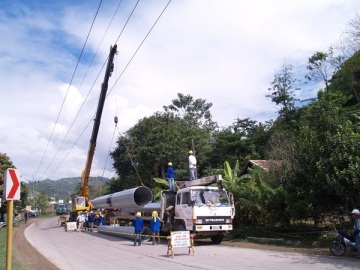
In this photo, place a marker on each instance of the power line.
(81, 85)
(121, 72)
(90, 89)
(57, 119)
(139, 47)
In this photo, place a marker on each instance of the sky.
(225, 52)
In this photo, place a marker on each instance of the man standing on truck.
(192, 165)
(170, 176)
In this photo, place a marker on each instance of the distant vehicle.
(63, 209)
(33, 213)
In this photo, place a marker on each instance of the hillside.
(62, 188)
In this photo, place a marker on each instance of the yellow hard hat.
(190, 152)
(169, 164)
(138, 214)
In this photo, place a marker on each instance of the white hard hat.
(356, 212)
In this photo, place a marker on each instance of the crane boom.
(81, 202)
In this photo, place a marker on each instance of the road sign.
(12, 185)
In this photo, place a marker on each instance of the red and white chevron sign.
(12, 185)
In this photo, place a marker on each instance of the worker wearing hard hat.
(155, 227)
(192, 165)
(138, 223)
(170, 176)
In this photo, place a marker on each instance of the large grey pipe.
(135, 197)
(147, 207)
(124, 232)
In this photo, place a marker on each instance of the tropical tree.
(195, 113)
(321, 67)
(41, 202)
(282, 91)
(144, 151)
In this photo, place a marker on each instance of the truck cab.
(62, 209)
(203, 210)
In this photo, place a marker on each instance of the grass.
(321, 238)
(15, 264)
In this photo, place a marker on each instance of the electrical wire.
(88, 94)
(62, 105)
(139, 47)
(119, 79)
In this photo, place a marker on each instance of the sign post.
(180, 239)
(11, 193)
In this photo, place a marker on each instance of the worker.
(90, 219)
(192, 165)
(170, 176)
(138, 223)
(100, 219)
(80, 219)
(26, 216)
(155, 227)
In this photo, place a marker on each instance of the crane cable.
(127, 150)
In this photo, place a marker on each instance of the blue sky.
(223, 51)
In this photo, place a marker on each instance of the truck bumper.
(210, 228)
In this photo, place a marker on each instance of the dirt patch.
(25, 252)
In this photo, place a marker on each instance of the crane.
(81, 202)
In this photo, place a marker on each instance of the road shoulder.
(25, 252)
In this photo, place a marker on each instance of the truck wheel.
(180, 227)
(217, 239)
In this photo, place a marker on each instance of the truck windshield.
(201, 197)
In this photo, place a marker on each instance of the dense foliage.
(317, 143)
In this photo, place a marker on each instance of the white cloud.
(225, 52)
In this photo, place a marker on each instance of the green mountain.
(62, 188)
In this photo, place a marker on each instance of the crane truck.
(81, 202)
(206, 211)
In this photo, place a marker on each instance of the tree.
(5, 163)
(152, 143)
(320, 68)
(243, 140)
(350, 41)
(282, 91)
(194, 112)
(42, 202)
(326, 171)
(347, 79)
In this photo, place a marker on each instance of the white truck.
(207, 211)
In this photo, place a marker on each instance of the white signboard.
(12, 185)
(70, 226)
(180, 239)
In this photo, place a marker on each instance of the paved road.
(85, 250)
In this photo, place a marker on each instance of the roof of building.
(264, 164)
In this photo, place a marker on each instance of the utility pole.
(193, 149)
